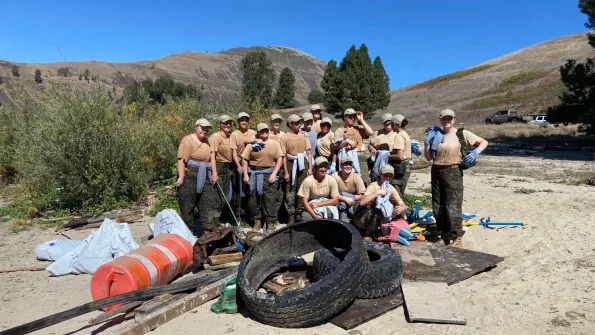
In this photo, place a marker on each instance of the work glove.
(471, 157)
(415, 147)
(332, 168)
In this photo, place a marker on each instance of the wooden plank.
(108, 315)
(364, 310)
(458, 264)
(220, 266)
(427, 296)
(225, 258)
(177, 308)
(155, 304)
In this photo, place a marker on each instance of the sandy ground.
(546, 285)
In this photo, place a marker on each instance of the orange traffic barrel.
(157, 263)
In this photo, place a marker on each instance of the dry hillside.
(218, 73)
(527, 80)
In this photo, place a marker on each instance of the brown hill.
(218, 74)
(527, 80)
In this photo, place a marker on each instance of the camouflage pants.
(363, 166)
(366, 219)
(197, 209)
(447, 200)
(306, 216)
(400, 183)
(224, 178)
(293, 203)
(265, 206)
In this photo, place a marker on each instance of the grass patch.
(166, 198)
(580, 179)
(426, 201)
(7, 213)
(448, 77)
(530, 191)
(513, 81)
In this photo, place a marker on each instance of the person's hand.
(314, 205)
(381, 192)
(351, 143)
(286, 176)
(214, 177)
(472, 156)
(430, 138)
(180, 181)
(272, 178)
(360, 116)
(246, 179)
(240, 170)
(258, 140)
(310, 171)
(349, 201)
(317, 216)
(398, 209)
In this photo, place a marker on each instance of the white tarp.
(169, 222)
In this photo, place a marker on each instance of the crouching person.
(319, 193)
(261, 163)
(380, 203)
(351, 188)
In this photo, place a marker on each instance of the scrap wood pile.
(349, 281)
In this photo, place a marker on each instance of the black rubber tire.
(384, 275)
(321, 300)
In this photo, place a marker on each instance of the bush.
(315, 97)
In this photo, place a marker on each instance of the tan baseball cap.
(307, 116)
(262, 126)
(315, 108)
(346, 159)
(293, 118)
(276, 117)
(349, 111)
(243, 114)
(327, 120)
(387, 169)
(398, 119)
(224, 118)
(447, 112)
(387, 117)
(320, 160)
(202, 123)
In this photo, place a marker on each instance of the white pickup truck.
(541, 120)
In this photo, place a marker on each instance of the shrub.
(315, 97)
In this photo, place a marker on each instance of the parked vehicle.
(503, 116)
(542, 119)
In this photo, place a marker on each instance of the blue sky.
(417, 40)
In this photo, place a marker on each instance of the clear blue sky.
(417, 40)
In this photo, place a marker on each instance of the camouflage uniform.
(293, 203)
(224, 178)
(447, 199)
(366, 219)
(364, 168)
(197, 209)
(268, 203)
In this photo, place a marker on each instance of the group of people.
(313, 172)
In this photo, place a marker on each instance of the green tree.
(381, 87)
(87, 74)
(38, 78)
(285, 90)
(258, 78)
(577, 103)
(15, 71)
(315, 97)
(333, 93)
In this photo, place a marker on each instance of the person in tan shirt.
(195, 192)
(401, 154)
(316, 111)
(275, 132)
(221, 160)
(260, 172)
(447, 177)
(354, 140)
(238, 141)
(367, 216)
(351, 188)
(380, 146)
(319, 193)
(324, 139)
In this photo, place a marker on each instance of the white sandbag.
(169, 222)
(52, 250)
(110, 241)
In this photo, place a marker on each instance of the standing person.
(381, 145)
(319, 194)
(380, 203)
(447, 175)
(239, 139)
(324, 140)
(349, 140)
(195, 192)
(317, 115)
(297, 165)
(351, 188)
(275, 132)
(261, 168)
(221, 161)
(401, 154)
(310, 134)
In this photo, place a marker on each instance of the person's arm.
(181, 172)
(427, 152)
(367, 129)
(309, 209)
(371, 148)
(482, 145)
(368, 199)
(285, 171)
(234, 154)
(245, 166)
(334, 201)
(397, 155)
(213, 168)
(309, 153)
(278, 164)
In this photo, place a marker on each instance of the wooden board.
(427, 296)
(364, 310)
(457, 264)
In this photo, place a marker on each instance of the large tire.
(315, 303)
(384, 275)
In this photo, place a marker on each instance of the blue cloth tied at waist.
(300, 158)
(203, 169)
(322, 210)
(383, 203)
(345, 210)
(257, 179)
(382, 157)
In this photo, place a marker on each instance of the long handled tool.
(228, 204)
(488, 222)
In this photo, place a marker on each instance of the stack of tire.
(345, 268)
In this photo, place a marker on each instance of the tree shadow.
(554, 147)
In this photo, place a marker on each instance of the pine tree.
(315, 97)
(381, 87)
(285, 90)
(333, 93)
(38, 78)
(258, 78)
(15, 71)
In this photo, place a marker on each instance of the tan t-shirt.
(312, 189)
(394, 199)
(265, 157)
(276, 137)
(323, 144)
(316, 126)
(449, 152)
(221, 146)
(294, 144)
(354, 133)
(403, 142)
(191, 148)
(354, 183)
(238, 138)
(381, 137)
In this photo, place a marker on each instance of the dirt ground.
(545, 285)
